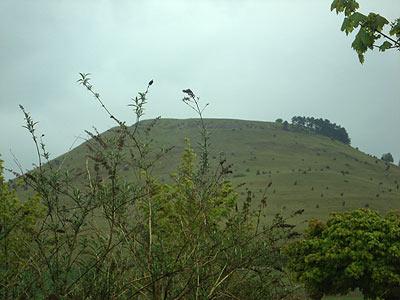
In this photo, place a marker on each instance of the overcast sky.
(253, 60)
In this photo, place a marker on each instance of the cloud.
(256, 60)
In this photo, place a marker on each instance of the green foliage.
(357, 249)
(109, 236)
(387, 157)
(320, 126)
(371, 28)
(285, 125)
(205, 248)
(17, 226)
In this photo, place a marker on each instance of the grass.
(307, 171)
(344, 298)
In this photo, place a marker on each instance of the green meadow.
(308, 171)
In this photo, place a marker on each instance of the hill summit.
(307, 170)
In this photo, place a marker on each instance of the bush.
(357, 249)
(18, 223)
(115, 238)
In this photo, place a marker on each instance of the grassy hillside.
(307, 171)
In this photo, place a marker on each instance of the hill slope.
(307, 171)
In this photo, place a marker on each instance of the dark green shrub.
(357, 249)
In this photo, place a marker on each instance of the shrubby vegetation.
(357, 249)
(320, 126)
(109, 238)
(17, 224)
(91, 233)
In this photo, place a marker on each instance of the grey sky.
(254, 60)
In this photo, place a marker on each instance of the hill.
(308, 171)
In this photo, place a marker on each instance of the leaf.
(386, 45)
(335, 5)
(348, 6)
(367, 39)
(349, 23)
(347, 26)
(351, 7)
(376, 22)
(363, 41)
(357, 19)
(338, 5)
(359, 43)
(395, 28)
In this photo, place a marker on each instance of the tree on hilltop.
(387, 157)
(285, 125)
(323, 127)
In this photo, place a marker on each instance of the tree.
(371, 28)
(285, 125)
(279, 120)
(387, 157)
(298, 122)
(323, 127)
(357, 249)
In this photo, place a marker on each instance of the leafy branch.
(371, 28)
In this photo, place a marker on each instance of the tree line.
(321, 126)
